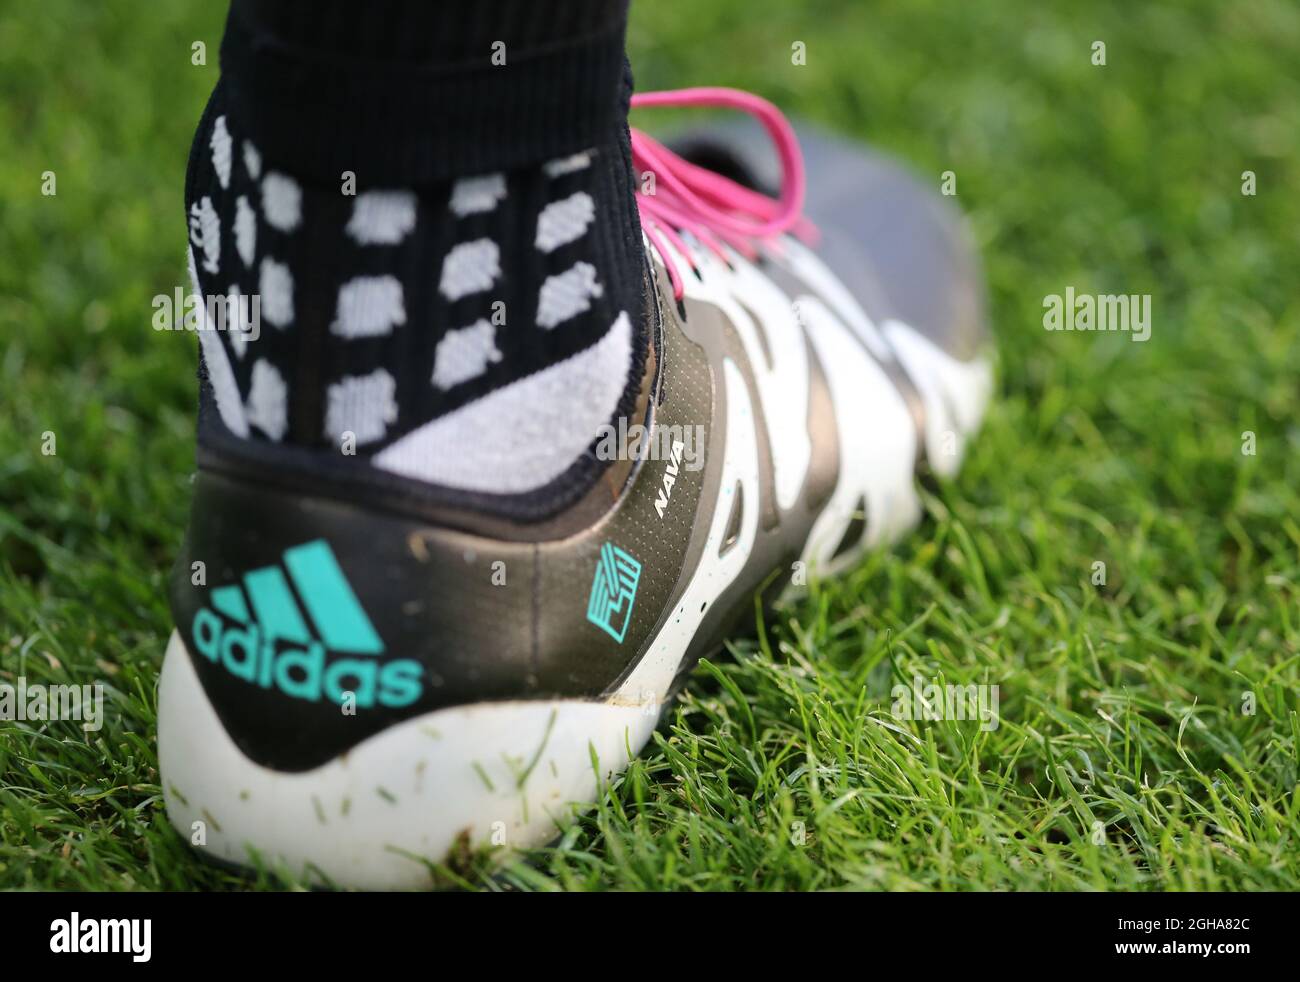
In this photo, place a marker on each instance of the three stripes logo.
(613, 591)
(257, 631)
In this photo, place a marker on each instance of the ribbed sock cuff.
(420, 117)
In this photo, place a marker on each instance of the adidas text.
(304, 673)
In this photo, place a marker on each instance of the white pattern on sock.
(268, 400)
(239, 320)
(369, 306)
(471, 195)
(567, 165)
(245, 230)
(220, 144)
(362, 405)
(564, 221)
(525, 434)
(281, 201)
(276, 287)
(205, 232)
(470, 267)
(465, 354)
(382, 217)
(567, 294)
(252, 160)
(225, 390)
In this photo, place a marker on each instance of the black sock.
(433, 205)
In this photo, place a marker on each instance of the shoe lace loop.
(686, 198)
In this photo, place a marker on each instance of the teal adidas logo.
(258, 633)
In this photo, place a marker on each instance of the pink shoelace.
(713, 209)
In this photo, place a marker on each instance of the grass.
(1148, 737)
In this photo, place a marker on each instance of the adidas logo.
(258, 633)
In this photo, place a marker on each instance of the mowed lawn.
(1120, 555)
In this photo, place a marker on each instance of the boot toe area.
(896, 242)
(899, 247)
